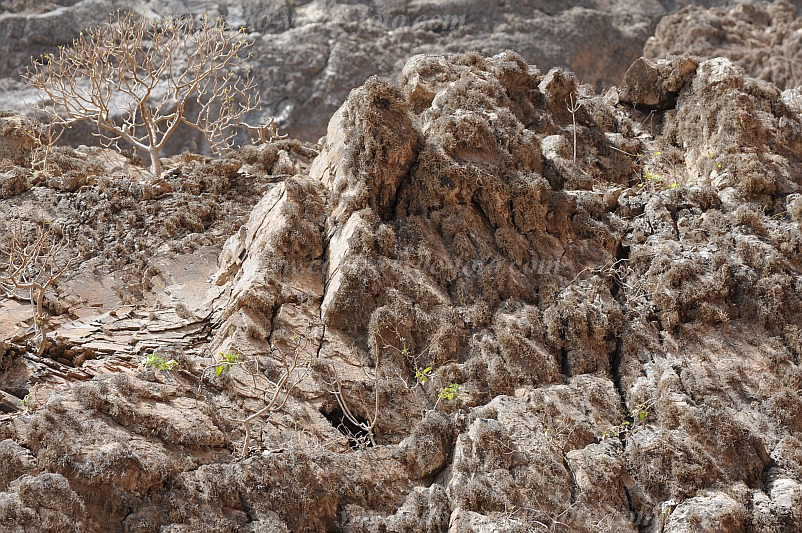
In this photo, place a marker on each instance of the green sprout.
(660, 172)
(160, 363)
(639, 414)
(225, 362)
(719, 165)
(449, 392)
(423, 376)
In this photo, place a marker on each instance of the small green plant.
(225, 361)
(160, 363)
(423, 376)
(222, 364)
(655, 182)
(617, 431)
(26, 401)
(449, 392)
(638, 414)
(660, 172)
(719, 164)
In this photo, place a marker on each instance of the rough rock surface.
(764, 39)
(656, 85)
(526, 332)
(308, 55)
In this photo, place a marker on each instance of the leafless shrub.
(365, 425)
(263, 133)
(29, 266)
(134, 79)
(292, 370)
(398, 351)
(45, 140)
(397, 368)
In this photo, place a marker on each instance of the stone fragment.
(656, 85)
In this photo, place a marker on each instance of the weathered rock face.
(764, 39)
(29, 34)
(18, 139)
(309, 55)
(656, 85)
(480, 308)
(331, 48)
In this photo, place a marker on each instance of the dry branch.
(368, 424)
(290, 376)
(572, 108)
(264, 133)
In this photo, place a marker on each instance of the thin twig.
(573, 108)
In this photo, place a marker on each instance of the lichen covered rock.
(470, 321)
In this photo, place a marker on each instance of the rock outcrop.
(457, 318)
(762, 38)
(307, 56)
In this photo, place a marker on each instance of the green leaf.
(218, 370)
(450, 392)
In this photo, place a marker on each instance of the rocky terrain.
(308, 55)
(448, 317)
(495, 296)
(763, 39)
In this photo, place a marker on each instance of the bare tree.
(135, 78)
(363, 423)
(29, 267)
